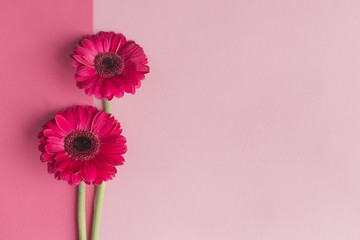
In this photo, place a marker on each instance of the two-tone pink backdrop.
(247, 126)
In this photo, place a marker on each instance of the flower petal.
(52, 125)
(75, 166)
(107, 88)
(45, 157)
(63, 124)
(82, 60)
(115, 43)
(53, 148)
(88, 44)
(99, 162)
(75, 179)
(65, 175)
(113, 160)
(127, 49)
(62, 163)
(98, 43)
(89, 170)
(98, 121)
(136, 66)
(56, 141)
(86, 71)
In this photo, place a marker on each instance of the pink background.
(247, 126)
(36, 82)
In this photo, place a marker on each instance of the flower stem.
(107, 106)
(99, 195)
(97, 212)
(81, 212)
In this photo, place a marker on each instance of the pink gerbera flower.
(82, 144)
(108, 65)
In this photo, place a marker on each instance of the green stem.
(99, 195)
(81, 212)
(107, 106)
(97, 212)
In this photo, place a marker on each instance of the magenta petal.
(51, 167)
(89, 46)
(75, 179)
(57, 175)
(98, 121)
(113, 160)
(75, 166)
(97, 93)
(52, 148)
(76, 64)
(129, 89)
(113, 150)
(118, 92)
(45, 157)
(107, 87)
(106, 45)
(62, 163)
(56, 141)
(81, 174)
(56, 129)
(129, 47)
(98, 42)
(102, 165)
(65, 175)
(85, 52)
(115, 43)
(102, 34)
(89, 91)
(106, 129)
(104, 176)
(114, 139)
(81, 116)
(82, 60)
(89, 170)
(136, 66)
(63, 124)
(91, 113)
(86, 71)
(88, 83)
(70, 117)
(99, 81)
(132, 78)
(43, 140)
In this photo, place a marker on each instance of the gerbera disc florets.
(108, 64)
(81, 144)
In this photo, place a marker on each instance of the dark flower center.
(108, 64)
(82, 144)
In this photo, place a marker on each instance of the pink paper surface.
(247, 126)
(36, 82)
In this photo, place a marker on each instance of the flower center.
(81, 144)
(108, 64)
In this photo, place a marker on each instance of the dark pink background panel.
(36, 81)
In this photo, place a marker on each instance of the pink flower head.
(82, 144)
(108, 65)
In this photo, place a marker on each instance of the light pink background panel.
(36, 82)
(247, 126)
